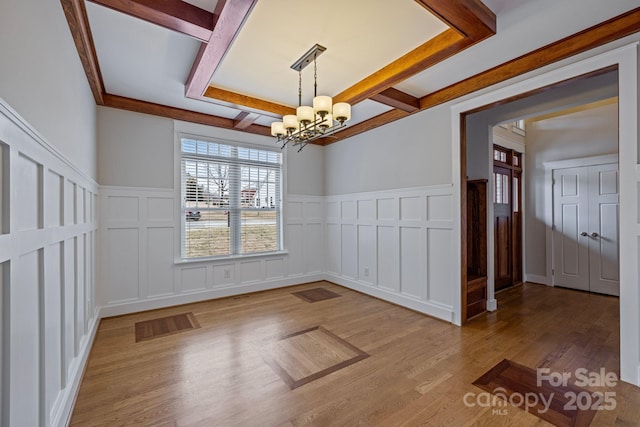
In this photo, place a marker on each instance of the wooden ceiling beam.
(470, 21)
(175, 15)
(598, 35)
(439, 48)
(238, 100)
(232, 14)
(244, 120)
(76, 14)
(471, 18)
(129, 104)
(621, 26)
(379, 120)
(398, 99)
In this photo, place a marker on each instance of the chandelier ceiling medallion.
(311, 123)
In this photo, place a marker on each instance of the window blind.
(231, 199)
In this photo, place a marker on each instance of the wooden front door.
(507, 174)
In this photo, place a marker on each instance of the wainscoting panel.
(387, 260)
(294, 239)
(27, 181)
(193, 278)
(314, 247)
(252, 271)
(367, 253)
(48, 260)
(411, 283)
(395, 245)
(160, 278)
(139, 242)
(334, 249)
(123, 266)
(349, 251)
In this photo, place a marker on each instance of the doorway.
(478, 126)
(624, 60)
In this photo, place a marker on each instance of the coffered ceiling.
(226, 63)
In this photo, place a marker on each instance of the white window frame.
(518, 127)
(228, 137)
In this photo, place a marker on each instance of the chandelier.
(311, 123)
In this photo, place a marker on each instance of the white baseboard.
(544, 280)
(203, 295)
(435, 310)
(62, 416)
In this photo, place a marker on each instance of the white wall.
(585, 133)
(134, 149)
(41, 77)
(48, 258)
(139, 227)
(410, 152)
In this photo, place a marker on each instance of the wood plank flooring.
(417, 372)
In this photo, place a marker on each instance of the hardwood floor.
(417, 372)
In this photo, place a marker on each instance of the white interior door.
(571, 220)
(586, 232)
(604, 260)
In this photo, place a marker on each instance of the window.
(501, 188)
(231, 197)
(500, 155)
(516, 195)
(518, 127)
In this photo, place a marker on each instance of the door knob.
(584, 234)
(594, 234)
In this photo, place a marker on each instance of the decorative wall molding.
(47, 275)
(391, 244)
(139, 271)
(394, 245)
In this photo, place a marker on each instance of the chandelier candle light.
(311, 123)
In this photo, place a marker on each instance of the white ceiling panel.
(522, 26)
(361, 36)
(365, 110)
(144, 61)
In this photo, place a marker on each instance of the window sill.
(222, 260)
